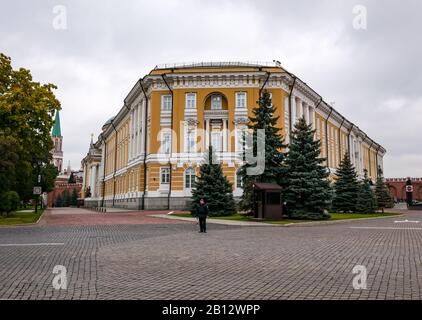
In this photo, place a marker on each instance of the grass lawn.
(334, 217)
(21, 217)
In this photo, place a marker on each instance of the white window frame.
(213, 134)
(166, 104)
(220, 106)
(244, 100)
(190, 133)
(164, 173)
(165, 141)
(239, 143)
(188, 178)
(190, 100)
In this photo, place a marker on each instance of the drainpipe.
(376, 160)
(320, 100)
(171, 141)
(145, 142)
(339, 137)
(369, 157)
(290, 106)
(104, 168)
(115, 163)
(326, 138)
(348, 140)
(265, 82)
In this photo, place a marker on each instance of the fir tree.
(307, 193)
(384, 199)
(263, 118)
(366, 202)
(213, 187)
(74, 198)
(71, 178)
(59, 201)
(346, 187)
(66, 199)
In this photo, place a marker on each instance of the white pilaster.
(311, 115)
(139, 129)
(306, 111)
(224, 135)
(93, 182)
(293, 115)
(207, 133)
(144, 128)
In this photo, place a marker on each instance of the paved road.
(167, 260)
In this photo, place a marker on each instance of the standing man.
(202, 213)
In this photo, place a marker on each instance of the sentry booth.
(267, 201)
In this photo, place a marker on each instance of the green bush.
(9, 201)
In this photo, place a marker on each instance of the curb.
(217, 221)
(26, 224)
(316, 223)
(263, 224)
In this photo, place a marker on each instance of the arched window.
(190, 178)
(216, 102)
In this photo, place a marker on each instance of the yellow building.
(152, 148)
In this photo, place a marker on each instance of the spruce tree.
(263, 118)
(307, 193)
(71, 178)
(74, 198)
(346, 187)
(366, 202)
(384, 199)
(59, 201)
(212, 186)
(66, 199)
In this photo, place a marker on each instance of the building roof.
(266, 186)
(219, 64)
(56, 129)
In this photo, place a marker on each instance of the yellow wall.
(132, 179)
(201, 98)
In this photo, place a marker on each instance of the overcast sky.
(373, 75)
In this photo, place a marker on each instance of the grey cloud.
(374, 76)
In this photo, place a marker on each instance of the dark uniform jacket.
(202, 211)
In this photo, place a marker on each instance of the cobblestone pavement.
(174, 261)
(78, 217)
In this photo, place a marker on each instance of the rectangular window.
(165, 142)
(241, 100)
(241, 140)
(191, 101)
(190, 141)
(273, 198)
(166, 103)
(239, 180)
(165, 175)
(190, 179)
(216, 141)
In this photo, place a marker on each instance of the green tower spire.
(56, 129)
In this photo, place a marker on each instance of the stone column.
(306, 111)
(207, 133)
(131, 123)
(93, 174)
(144, 128)
(224, 135)
(135, 133)
(312, 111)
(293, 115)
(139, 130)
